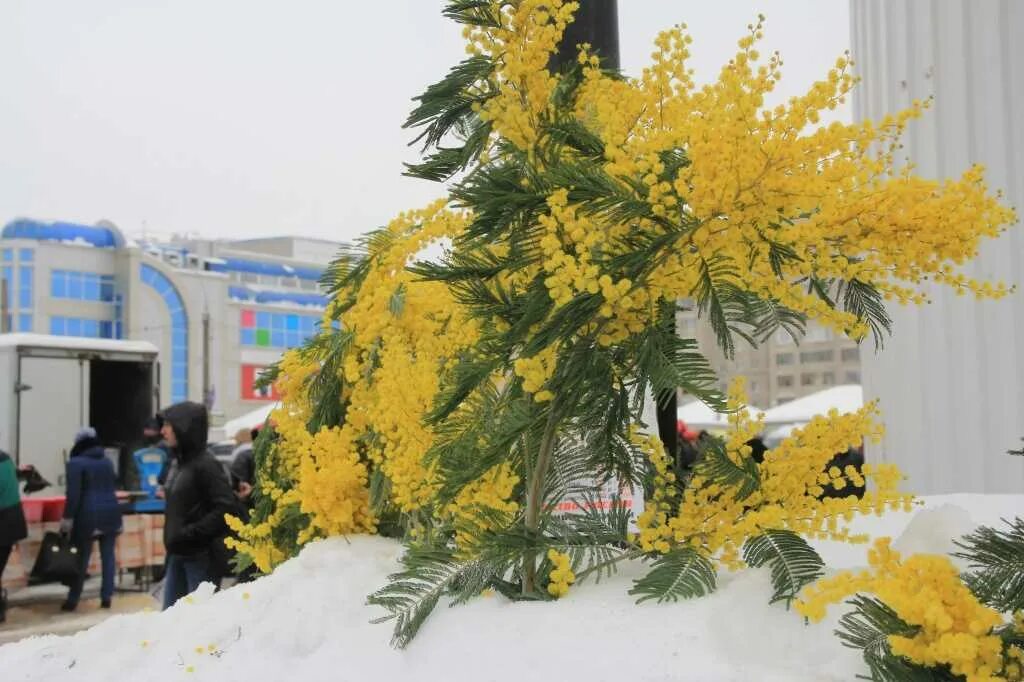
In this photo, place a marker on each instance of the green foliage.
(716, 466)
(683, 573)
(868, 627)
(793, 562)
(996, 560)
(429, 575)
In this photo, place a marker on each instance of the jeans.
(84, 545)
(183, 575)
(5, 553)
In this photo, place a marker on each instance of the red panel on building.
(250, 373)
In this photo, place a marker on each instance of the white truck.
(50, 386)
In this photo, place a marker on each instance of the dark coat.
(91, 497)
(198, 494)
(243, 467)
(12, 518)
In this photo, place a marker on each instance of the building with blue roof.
(219, 311)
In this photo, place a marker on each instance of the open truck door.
(61, 384)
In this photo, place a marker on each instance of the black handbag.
(57, 561)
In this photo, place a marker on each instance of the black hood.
(190, 424)
(84, 446)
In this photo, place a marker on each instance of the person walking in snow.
(91, 512)
(12, 520)
(198, 496)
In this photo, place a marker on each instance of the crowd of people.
(197, 491)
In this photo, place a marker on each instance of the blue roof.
(262, 268)
(246, 294)
(22, 228)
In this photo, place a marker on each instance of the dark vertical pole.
(206, 361)
(596, 23)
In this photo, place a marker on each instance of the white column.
(951, 378)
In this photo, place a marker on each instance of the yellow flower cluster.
(331, 486)
(561, 575)
(405, 334)
(521, 46)
(714, 521)
(397, 360)
(482, 505)
(652, 521)
(256, 540)
(535, 372)
(924, 591)
(757, 182)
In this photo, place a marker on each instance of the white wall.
(951, 379)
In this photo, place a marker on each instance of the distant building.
(256, 297)
(780, 369)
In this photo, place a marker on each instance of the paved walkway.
(34, 611)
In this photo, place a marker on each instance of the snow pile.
(309, 622)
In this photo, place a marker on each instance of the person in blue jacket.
(91, 512)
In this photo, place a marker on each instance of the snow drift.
(309, 622)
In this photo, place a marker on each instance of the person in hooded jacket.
(91, 512)
(198, 496)
(12, 520)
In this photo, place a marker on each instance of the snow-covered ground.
(309, 622)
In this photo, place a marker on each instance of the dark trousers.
(5, 554)
(183, 575)
(84, 545)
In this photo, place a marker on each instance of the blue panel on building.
(62, 232)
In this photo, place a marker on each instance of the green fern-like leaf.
(996, 560)
(683, 573)
(793, 562)
(413, 593)
(868, 628)
(744, 478)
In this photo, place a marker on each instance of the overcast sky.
(237, 118)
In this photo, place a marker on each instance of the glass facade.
(265, 329)
(82, 286)
(18, 274)
(179, 329)
(81, 326)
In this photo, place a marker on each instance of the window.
(817, 356)
(78, 326)
(783, 399)
(828, 379)
(25, 287)
(807, 379)
(784, 380)
(851, 354)
(784, 359)
(82, 286)
(276, 330)
(25, 322)
(26, 255)
(8, 255)
(853, 377)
